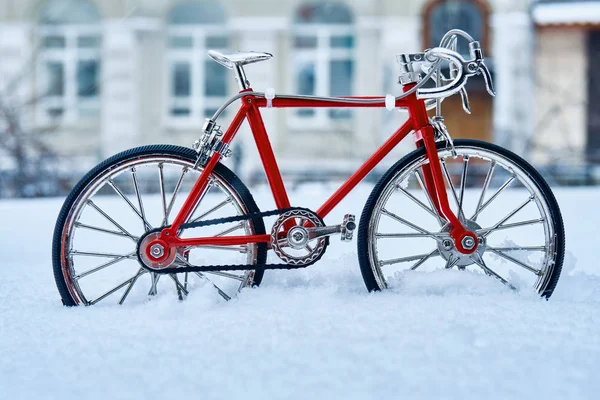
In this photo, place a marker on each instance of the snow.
(567, 13)
(312, 333)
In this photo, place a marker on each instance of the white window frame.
(198, 102)
(321, 55)
(68, 56)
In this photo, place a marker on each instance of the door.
(477, 125)
(593, 104)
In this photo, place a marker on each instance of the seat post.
(240, 77)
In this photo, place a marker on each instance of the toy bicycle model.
(176, 213)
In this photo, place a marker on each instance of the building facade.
(567, 127)
(100, 76)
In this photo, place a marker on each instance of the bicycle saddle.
(230, 59)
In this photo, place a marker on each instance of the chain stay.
(237, 267)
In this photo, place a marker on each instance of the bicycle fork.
(464, 240)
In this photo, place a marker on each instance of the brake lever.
(487, 77)
(465, 100)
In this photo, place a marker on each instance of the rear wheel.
(100, 224)
(495, 193)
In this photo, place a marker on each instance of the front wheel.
(495, 193)
(131, 193)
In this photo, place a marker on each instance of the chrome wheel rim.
(127, 200)
(490, 194)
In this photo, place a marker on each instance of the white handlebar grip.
(269, 95)
(390, 101)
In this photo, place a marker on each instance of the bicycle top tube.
(356, 100)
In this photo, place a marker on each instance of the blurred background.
(83, 79)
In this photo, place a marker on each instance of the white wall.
(134, 75)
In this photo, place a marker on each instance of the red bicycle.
(176, 212)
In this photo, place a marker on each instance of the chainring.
(292, 245)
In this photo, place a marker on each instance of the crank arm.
(346, 229)
(315, 233)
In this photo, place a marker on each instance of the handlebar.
(456, 84)
(429, 62)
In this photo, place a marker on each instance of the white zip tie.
(390, 101)
(269, 95)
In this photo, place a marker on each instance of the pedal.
(347, 227)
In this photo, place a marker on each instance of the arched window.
(68, 60)
(468, 15)
(197, 85)
(323, 58)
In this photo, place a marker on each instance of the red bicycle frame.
(418, 122)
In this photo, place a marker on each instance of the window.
(69, 61)
(197, 86)
(443, 15)
(323, 58)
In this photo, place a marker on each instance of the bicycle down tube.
(417, 122)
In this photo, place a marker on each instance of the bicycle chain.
(236, 267)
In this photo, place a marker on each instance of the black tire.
(62, 274)
(366, 234)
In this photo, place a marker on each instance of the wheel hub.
(297, 237)
(153, 255)
(448, 250)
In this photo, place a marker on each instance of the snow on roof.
(567, 13)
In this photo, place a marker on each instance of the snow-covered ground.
(313, 333)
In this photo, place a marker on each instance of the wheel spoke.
(463, 181)
(218, 273)
(106, 255)
(154, 286)
(512, 225)
(486, 183)
(111, 291)
(140, 272)
(163, 197)
(221, 293)
(232, 229)
(179, 286)
(487, 203)
(227, 275)
(98, 229)
(517, 248)
(513, 212)
(215, 208)
(422, 260)
(409, 224)
(115, 223)
(175, 192)
(476, 258)
(100, 267)
(420, 204)
(409, 258)
(452, 189)
(440, 218)
(211, 184)
(147, 226)
(499, 252)
(118, 191)
(451, 261)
